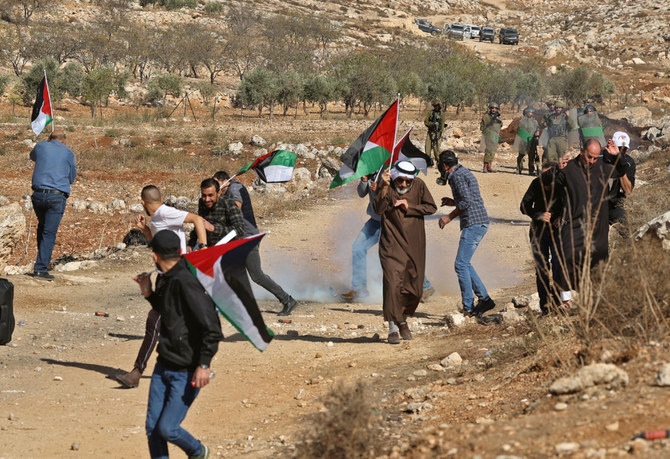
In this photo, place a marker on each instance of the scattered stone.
(663, 376)
(258, 141)
(511, 316)
(560, 406)
(117, 204)
(567, 448)
(136, 208)
(318, 355)
(58, 378)
(74, 447)
(521, 301)
(660, 227)
(452, 360)
(637, 116)
(292, 333)
(417, 393)
(352, 364)
(418, 407)
(11, 417)
(638, 446)
(235, 148)
(589, 376)
(613, 427)
(638, 61)
(455, 319)
(300, 395)
(436, 367)
(420, 373)
(12, 230)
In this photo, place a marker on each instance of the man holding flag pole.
(53, 174)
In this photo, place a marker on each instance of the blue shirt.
(467, 197)
(54, 166)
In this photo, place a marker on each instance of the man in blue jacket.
(53, 174)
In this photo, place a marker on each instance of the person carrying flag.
(402, 201)
(53, 174)
(234, 190)
(189, 339)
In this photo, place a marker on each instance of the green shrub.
(214, 7)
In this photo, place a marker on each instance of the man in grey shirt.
(239, 194)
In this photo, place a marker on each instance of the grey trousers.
(259, 277)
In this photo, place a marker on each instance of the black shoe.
(483, 306)
(290, 305)
(43, 275)
(467, 313)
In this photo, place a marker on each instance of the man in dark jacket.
(543, 204)
(189, 338)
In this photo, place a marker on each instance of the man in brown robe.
(402, 201)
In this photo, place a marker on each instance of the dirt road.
(57, 398)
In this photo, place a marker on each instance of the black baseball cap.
(166, 242)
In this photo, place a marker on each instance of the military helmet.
(559, 104)
(589, 107)
(550, 103)
(528, 110)
(494, 105)
(436, 103)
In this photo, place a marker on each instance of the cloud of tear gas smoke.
(325, 270)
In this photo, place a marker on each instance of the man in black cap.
(189, 338)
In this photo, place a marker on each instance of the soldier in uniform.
(490, 127)
(526, 140)
(557, 124)
(435, 124)
(590, 126)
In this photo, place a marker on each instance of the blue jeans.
(170, 397)
(49, 209)
(368, 237)
(468, 280)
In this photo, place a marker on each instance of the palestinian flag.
(42, 114)
(370, 150)
(405, 150)
(221, 271)
(276, 166)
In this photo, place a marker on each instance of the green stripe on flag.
(592, 131)
(370, 161)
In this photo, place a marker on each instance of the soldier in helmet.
(557, 125)
(434, 123)
(526, 140)
(490, 126)
(590, 126)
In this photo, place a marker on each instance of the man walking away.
(469, 207)
(53, 174)
(240, 196)
(189, 338)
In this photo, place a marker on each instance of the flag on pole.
(42, 114)
(276, 166)
(221, 271)
(405, 150)
(370, 150)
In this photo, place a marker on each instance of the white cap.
(621, 139)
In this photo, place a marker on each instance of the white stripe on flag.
(278, 173)
(230, 304)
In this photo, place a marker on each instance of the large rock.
(12, 230)
(663, 376)
(637, 116)
(589, 376)
(258, 141)
(660, 226)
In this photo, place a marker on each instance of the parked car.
(425, 26)
(467, 31)
(509, 35)
(456, 31)
(474, 31)
(487, 33)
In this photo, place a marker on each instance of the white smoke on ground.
(325, 271)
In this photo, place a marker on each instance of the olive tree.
(258, 89)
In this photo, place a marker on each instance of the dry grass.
(346, 428)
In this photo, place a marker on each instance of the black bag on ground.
(6, 311)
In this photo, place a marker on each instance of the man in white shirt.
(162, 217)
